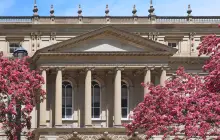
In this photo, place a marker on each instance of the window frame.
(100, 112)
(172, 42)
(72, 111)
(128, 100)
(13, 42)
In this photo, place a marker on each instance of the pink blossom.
(187, 104)
(22, 85)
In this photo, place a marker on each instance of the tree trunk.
(18, 121)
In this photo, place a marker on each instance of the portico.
(94, 80)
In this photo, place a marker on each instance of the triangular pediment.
(108, 39)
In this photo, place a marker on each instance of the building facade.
(94, 66)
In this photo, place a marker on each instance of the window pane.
(96, 112)
(68, 113)
(124, 92)
(124, 103)
(11, 50)
(63, 91)
(68, 91)
(68, 102)
(16, 45)
(95, 95)
(63, 112)
(124, 113)
(96, 98)
(173, 45)
(63, 102)
(13, 47)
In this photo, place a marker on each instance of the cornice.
(187, 60)
(113, 19)
(60, 54)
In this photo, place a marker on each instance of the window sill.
(70, 119)
(96, 119)
(126, 119)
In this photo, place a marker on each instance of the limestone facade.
(94, 66)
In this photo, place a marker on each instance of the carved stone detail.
(35, 40)
(153, 35)
(105, 136)
(53, 36)
(191, 37)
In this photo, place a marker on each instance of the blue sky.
(117, 7)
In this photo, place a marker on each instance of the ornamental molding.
(60, 54)
(102, 66)
(104, 136)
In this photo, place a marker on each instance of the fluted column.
(163, 76)
(147, 78)
(88, 97)
(117, 97)
(43, 104)
(58, 98)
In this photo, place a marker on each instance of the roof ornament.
(134, 11)
(151, 10)
(189, 11)
(79, 11)
(51, 10)
(35, 10)
(106, 11)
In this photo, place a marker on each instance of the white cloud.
(5, 5)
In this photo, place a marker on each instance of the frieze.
(104, 136)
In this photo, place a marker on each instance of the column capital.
(165, 68)
(60, 68)
(89, 69)
(43, 69)
(119, 68)
(149, 68)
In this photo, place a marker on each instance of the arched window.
(67, 100)
(124, 99)
(96, 104)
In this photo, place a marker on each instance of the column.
(88, 97)
(58, 98)
(147, 78)
(163, 76)
(117, 98)
(43, 104)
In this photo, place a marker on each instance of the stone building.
(94, 66)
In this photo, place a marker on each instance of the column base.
(58, 126)
(43, 126)
(118, 126)
(88, 126)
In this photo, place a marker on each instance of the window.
(67, 97)
(96, 106)
(124, 100)
(13, 46)
(172, 44)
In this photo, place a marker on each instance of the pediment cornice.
(60, 54)
(110, 31)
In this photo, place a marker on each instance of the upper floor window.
(96, 101)
(67, 100)
(13, 46)
(124, 100)
(172, 44)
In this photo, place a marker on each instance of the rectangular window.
(172, 44)
(13, 46)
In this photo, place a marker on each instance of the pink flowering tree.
(187, 106)
(20, 91)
